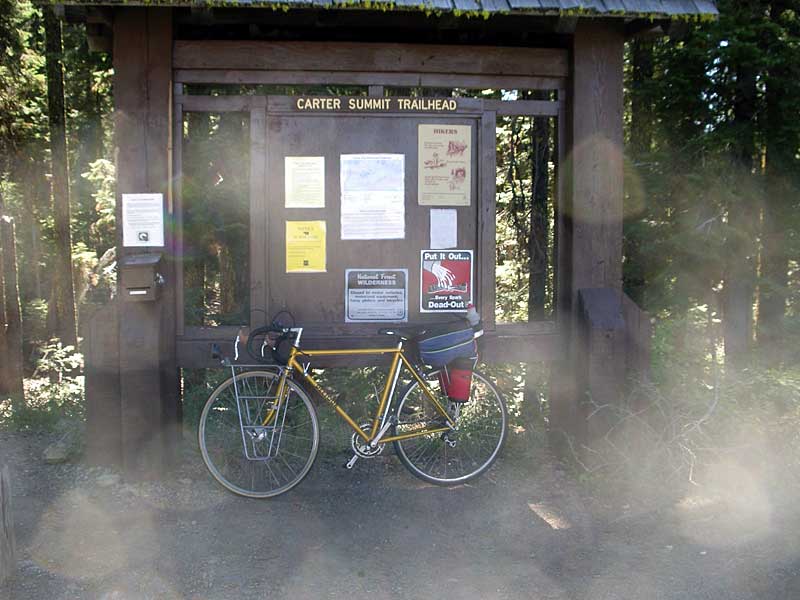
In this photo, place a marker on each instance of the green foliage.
(198, 384)
(525, 188)
(102, 178)
(216, 219)
(24, 151)
(710, 136)
(53, 395)
(696, 415)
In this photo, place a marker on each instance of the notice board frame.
(504, 338)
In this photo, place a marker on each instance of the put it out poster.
(445, 280)
(445, 164)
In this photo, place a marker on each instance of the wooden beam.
(523, 108)
(528, 342)
(444, 80)
(221, 103)
(259, 216)
(487, 217)
(379, 58)
(596, 156)
(276, 104)
(566, 24)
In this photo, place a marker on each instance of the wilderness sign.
(373, 104)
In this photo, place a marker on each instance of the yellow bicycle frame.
(398, 361)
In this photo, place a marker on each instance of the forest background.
(711, 246)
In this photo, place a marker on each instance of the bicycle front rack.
(262, 414)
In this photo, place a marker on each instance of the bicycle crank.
(362, 449)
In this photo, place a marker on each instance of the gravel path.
(376, 532)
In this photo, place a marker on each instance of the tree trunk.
(781, 142)
(539, 218)
(61, 309)
(4, 371)
(640, 144)
(641, 137)
(8, 547)
(739, 288)
(13, 319)
(538, 245)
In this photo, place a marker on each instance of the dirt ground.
(522, 531)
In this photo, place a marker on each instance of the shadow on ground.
(525, 530)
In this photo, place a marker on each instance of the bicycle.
(259, 430)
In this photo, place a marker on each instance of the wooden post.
(590, 206)
(148, 376)
(8, 550)
(103, 407)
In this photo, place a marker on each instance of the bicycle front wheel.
(267, 447)
(451, 458)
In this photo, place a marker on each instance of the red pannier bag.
(456, 379)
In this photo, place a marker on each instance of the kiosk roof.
(587, 8)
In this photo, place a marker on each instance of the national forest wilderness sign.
(374, 104)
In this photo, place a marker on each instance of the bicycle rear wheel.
(274, 445)
(451, 458)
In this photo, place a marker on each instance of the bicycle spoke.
(276, 462)
(479, 434)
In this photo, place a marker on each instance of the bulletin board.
(351, 182)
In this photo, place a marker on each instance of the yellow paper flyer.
(305, 247)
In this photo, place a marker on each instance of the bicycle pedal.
(351, 463)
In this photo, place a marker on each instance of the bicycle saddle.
(404, 333)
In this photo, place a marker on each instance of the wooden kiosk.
(350, 68)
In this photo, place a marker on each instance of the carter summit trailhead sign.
(369, 104)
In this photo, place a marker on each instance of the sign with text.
(376, 295)
(373, 104)
(445, 164)
(445, 280)
(304, 181)
(305, 246)
(142, 220)
(373, 196)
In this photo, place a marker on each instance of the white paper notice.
(142, 219)
(305, 181)
(444, 228)
(373, 196)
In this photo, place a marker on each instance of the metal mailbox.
(141, 277)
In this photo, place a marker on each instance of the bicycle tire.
(482, 417)
(221, 437)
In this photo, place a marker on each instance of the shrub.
(53, 395)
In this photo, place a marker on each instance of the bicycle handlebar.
(269, 336)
